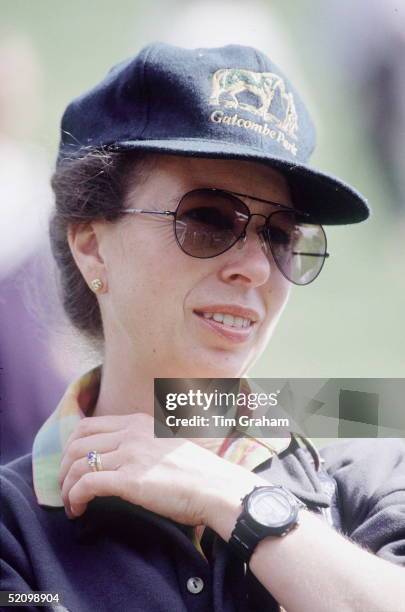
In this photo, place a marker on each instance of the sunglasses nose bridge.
(258, 227)
(259, 231)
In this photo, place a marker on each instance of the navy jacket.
(121, 557)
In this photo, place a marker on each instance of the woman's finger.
(89, 426)
(110, 462)
(95, 484)
(102, 443)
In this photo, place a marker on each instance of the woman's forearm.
(314, 568)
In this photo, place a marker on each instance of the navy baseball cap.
(230, 102)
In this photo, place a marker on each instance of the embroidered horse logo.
(268, 89)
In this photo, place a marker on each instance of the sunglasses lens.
(298, 248)
(209, 222)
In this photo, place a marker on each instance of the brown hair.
(89, 187)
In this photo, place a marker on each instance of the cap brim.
(329, 200)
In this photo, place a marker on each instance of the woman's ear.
(84, 241)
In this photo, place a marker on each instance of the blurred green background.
(350, 322)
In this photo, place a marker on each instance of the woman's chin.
(216, 366)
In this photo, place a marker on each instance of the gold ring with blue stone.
(94, 461)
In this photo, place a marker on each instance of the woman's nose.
(249, 262)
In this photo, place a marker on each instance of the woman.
(184, 212)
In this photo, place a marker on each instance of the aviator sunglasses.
(208, 222)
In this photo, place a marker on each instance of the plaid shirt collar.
(78, 400)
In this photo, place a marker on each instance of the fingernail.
(69, 513)
(74, 510)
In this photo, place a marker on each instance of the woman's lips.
(234, 334)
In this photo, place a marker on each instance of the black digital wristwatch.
(267, 511)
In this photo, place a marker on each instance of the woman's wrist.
(224, 504)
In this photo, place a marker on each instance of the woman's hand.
(171, 477)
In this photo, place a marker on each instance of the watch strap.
(244, 539)
(245, 536)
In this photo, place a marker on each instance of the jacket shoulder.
(16, 476)
(17, 518)
(370, 479)
(386, 450)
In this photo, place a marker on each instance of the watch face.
(270, 508)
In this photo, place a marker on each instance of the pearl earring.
(96, 284)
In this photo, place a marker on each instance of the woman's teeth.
(227, 319)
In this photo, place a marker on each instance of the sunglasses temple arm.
(151, 212)
(311, 254)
